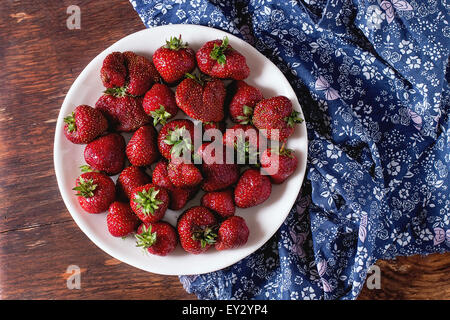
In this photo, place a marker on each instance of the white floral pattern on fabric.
(372, 78)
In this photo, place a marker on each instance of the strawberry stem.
(70, 120)
(293, 119)
(85, 188)
(175, 43)
(117, 92)
(147, 238)
(146, 201)
(180, 141)
(85, 168)
(246, 118)
(160, 115)
(218, 52)
(197, 79)
(206, 235)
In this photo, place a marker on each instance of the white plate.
(263, 220)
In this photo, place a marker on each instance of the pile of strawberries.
(138, 99)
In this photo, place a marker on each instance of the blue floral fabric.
(373, 81)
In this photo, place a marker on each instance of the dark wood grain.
(40, 58)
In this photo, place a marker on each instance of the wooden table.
(40, 58)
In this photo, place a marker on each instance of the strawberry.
(201, 100)
(141, 74)
(142, 149)
(232, 233)
(159, 103)
(276, 114)
(184, 175)
(178, 196)
(124, 113)
(158, 238)
(130, 178)
(84, 124)
(149, 202)
(128, 73)
(221, 202)
(176, 138)
(217, 173)
(114, 72)
(243, 102)
(218, 59)
(252, 189)
(95, 191)
(244, 138)
(197, 229)
(106, 153)
(121, 220)
(174, 59)
(285, 164)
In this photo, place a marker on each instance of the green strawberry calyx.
(118, 92)
(206, 235)
(146, 238)
(246, 118)
(146, 200)
(70, 120)
(160, 115)
(197, 78)
(218, 52)
(85, 168)
(293, 119)
(175, 43)
(244, 150)
(85, 188)
(180, 141)
(283, 151)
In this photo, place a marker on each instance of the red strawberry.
(184, 175)
(244, 138)
(114, 72)
(149, 202)
(276, 114)
(279, 165)
(218, 59)
(124, 113)
(174, 60)
(159, 103)
(128, 73)
(201, 100)
(252, 189)
(158, 238)
(141, 73)
(176, 138)
(106, 153)
(142, 149)
(130, 178)
(84, 124)
(232, 233)
(217, 173)
(178, 196)
(243, 102)
(221, 202)
(95, 191)
(197, 229)
(121, 220)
